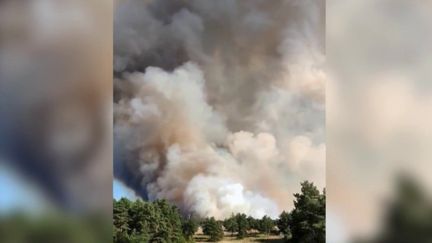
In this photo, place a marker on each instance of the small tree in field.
(189, 227)
(253, 223)
(242, 225)
(213, 228)
(266, 224)
(230, 224)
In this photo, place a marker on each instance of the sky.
(17, 194)
(120, 190)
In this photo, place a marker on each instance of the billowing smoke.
(219, 106)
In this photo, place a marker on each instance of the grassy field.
(253, 238)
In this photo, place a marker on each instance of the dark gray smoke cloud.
(219, 105)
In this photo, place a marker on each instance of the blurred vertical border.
(55, 121)
(379, 120)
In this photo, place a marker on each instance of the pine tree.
(283, 224)
(189, 227)
(120, 220)
(307, 223)
(213, 229)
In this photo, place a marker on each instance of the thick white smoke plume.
(219, 105)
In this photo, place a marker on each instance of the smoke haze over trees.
(159, 221)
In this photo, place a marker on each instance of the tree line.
(159, 221)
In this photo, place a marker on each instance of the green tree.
(189, 227)
(138, 238)
(253, 223)
(230, 224)
(120, 220)
(266, 224)
(283, 224)
(213, 228)
(169, 223)
(141, 221)
(242, 225)
(307, 222)
(409, 215)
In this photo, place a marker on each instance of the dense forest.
(159, 221)
(408, 219)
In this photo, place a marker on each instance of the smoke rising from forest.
(219, 106)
